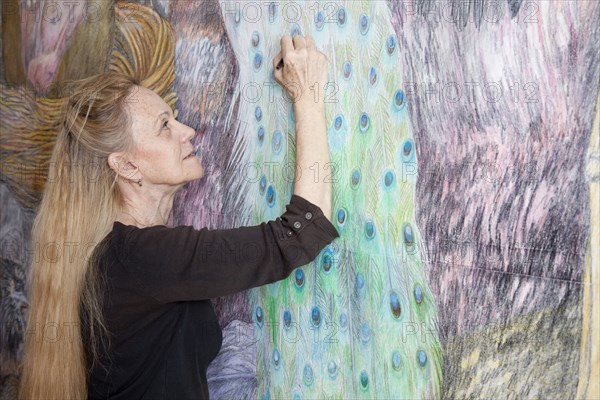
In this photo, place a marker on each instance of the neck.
(148, 208)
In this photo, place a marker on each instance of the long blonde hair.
(78, 207)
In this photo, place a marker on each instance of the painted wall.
(465, 175)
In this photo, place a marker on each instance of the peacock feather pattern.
(360, 321)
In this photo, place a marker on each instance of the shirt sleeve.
(183, 263)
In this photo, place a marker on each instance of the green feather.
(375, 351)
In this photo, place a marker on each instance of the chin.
(196, 174)
(193, 171)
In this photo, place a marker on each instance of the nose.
(188, 133)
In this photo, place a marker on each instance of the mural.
(465, 149)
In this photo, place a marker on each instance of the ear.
(123, 167)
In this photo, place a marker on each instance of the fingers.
(289, 44)
(277, 60)
(286, 45)
(278, 75)
(299, 42)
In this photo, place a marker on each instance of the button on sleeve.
(310, 230)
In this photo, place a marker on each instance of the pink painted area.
(46, 29)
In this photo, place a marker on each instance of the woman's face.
(161, 142)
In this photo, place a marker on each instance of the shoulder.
(132, 242)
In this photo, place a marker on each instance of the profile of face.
(161, 144)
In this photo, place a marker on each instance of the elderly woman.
(123, 311)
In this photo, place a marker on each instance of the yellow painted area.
(589, 364)
(471, 359)
(516, 359)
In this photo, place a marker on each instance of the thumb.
(278, 61)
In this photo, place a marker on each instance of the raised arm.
(302, 70)
(183, 263)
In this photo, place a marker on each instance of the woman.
(131, 317)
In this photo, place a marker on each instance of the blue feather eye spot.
(307, 375)
(365, 332)
(408, 234)
(418, 294)
(255, 39)
(363, 122)
(332, 369)
(341, 216)
(391, 44)
(261, 134)
(372, 76)
(363, 23)
(421, 358)
(259, 315)
(388, 178)
(277, 140)
(369, 229)
(276, 358)
(337, 122)
(396, 360)
(287, 318)
(347, 69)
(258, 60)
(407, 149)
(271, 196)
(295, 30)
(315, 316)
(262, 185)
(360, 281)
(364, 380)
(343, 320)
(399, 99)
(299, 277)
(272, 11)
(341, 16)
(326, 261)
(258, 113)
(355, 177)
(395, 305)
(319, 20)
(409, 240)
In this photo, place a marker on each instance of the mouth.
(194, 153)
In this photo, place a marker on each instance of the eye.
(165, 124)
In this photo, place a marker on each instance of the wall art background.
(465, 148)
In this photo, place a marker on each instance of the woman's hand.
(303, 72)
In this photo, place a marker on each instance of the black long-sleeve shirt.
(164, 331)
